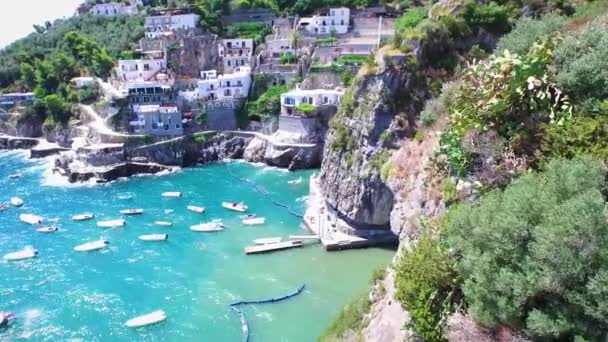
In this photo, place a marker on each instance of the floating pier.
(271, 247)
(304, 237)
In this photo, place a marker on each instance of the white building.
(315, 97)
(83, 82)
(336, 21)
(139, 70)
(113, 9)
(163, 25)
(158, 120)
(12, 99)
(235, 53)
(225, 87)
(277, 47)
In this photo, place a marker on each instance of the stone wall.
(188, 56)
(223, 119)
(298, 125)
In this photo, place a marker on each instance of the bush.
(326, 41)
(306, 108)
(490, 16)
(87, 95)
(527, 31)
(268, 104)
(410, 19)
(533, 257)
(350, 318)
(426, 283)
(343, 139)
(287, 59)
(432, 110)
(352, 59)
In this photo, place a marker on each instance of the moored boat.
(154, 237)
(148, 319)
(163, 223)
(132, 211)
(15, 175)
(196, 209)
(50, 229)
(16, 201)
(26, 253)
(266, 241)
(82, 217)
(4, 206)
(92, 246)
(254, 221)
(240, 207)
(208, 227)
(172, 194)
(111, 223)
(31, 219)
(5, 319)
(295, 181)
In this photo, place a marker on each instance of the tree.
(534, 256)
(28, 74)
(58, 110)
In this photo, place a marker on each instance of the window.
(178, 126)
(310, 100)
(211, 87)
(242, 62)
(239, 83)
(290, 101)
(342, 22)
(228, 63)
(146, 67)
(227, 83)
(229, 45)
(227, 92)
(325, 99)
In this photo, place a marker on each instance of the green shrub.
(349, 318)
(306, 108)
(249, 30)
(490, 16)
(533, 256)
(426, 282)
(449, 193)
(326, 41)
(527, 31)
(419, 137)
(287, 58)
(268, 104)
(343, 139)
(379, 160)
(410, 19)
(346, 78)
(352, 59)
(199, 138)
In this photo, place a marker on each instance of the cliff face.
(376, 112)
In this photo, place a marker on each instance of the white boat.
(111, 223)
(50, 229)
(295, 181)
(196, 209)
(267, 241)
(132, 211)
(154, 237)
(31, 219)
(125, 196)
(16, 201)
(4, 206)
(151, 318)
(240, 207)
(208, 227)
(254, 221)
(26, 253)
(163, 223)
(82, 217)
(172, 194)
(169, 211)
(15, 176)
(92, 246)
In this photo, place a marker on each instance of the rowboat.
(266, 241)
(15, 176)
(173, 194)
(82, 217)
(295, 181)
(132, 211)
(254, 221)
(148, 319)
(240, 207)
(111, 223)
(16, 201)
(163, 223)
(23, 254)
(208, 227)
(92, 246)
(31, 219)
(154, 237)
(196, 209)
(4, 206)
(50, 229)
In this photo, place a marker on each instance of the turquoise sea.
(65, 295)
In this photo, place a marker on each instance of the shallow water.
(193, 277)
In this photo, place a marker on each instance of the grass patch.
(350, 318)
(199, 138)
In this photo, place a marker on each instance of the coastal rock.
(116, 171)
(255, 151)
(17, 143)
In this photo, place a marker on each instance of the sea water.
(193, 277)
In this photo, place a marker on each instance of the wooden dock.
(304, 237)
(273, 247)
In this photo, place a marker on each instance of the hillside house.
(235, 53)
(12, 99)
(113, 9)
(158, 26)
(139, 70)
(225, 87)
(158, 120)
(333, 21)
(315, 97)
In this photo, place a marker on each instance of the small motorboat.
(254, 221)
(16, 201)
(26, 253)
(15, 176)
(172, 194)
(154, 237)
(4, 206)
(163, 223)
(196, 209)
(208, 227)
(132, 212)
(267, 241)
(82, 217)
(50, 229)
(295, 181)
(240, 207)
(5, 319)
(31, 219)
(148, 319)
(111, 223)
(92, 246)
(125, 196)
(169, 211)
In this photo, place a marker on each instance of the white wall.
(139, 70)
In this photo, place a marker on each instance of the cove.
(193, 277)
